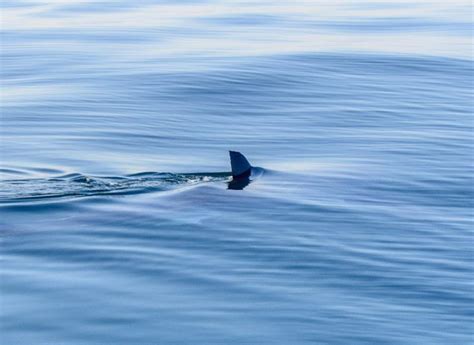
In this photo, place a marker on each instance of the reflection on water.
(358, 231)
(238, 184)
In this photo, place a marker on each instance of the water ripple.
(79, 185)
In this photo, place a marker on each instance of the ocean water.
(116, 222)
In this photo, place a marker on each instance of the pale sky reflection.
(293, 26)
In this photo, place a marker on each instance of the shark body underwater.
(79, 185)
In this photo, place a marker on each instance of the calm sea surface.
(116, 224)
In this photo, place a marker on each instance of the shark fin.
(241, 167)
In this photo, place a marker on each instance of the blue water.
(117, 225)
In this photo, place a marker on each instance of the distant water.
(117, 226)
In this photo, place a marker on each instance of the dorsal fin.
(240, 165)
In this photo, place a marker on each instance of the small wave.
(79, 185)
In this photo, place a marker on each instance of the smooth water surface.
(117, 225)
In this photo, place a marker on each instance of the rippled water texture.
(117, 222)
